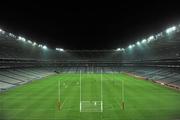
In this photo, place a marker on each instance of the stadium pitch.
(90, 97)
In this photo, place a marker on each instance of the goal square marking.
(91, 106)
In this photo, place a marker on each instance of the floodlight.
(44, 47)
(138, 43)
(2, 31)
(60, 49)
(150, 38)
(159, 35)
(21, 38)
(34, 43)
(29, 41)
(12, 35)
(122, 49)
(143, 41)
(39, 45)
(130, 46)
(118, 49)
(170, 30)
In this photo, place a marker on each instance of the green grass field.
(39, 100)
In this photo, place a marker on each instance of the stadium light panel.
(150, 38)
(123, 49)
(29, 41)
(131, 46)
(60, 49)
(39, 45)
(159, 35)
(2, 31)
(118, 49)
(12, 35)
(170, 30)
(34, 44)
(143, 41)
(44, 47)
(21, 38)
(138, 43)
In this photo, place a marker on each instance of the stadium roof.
(87, 28)
(168, 32)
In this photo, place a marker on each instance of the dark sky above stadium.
(85, 27)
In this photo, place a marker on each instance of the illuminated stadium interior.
(135, 81)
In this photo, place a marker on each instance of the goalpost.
(59, 95)
(80, 89)
(122, 90)
(101, 93)
(122, 100)
(91, 106)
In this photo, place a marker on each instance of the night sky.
(87, 28)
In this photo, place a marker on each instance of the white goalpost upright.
(80, 89)
(101, 93)
(122, 90)
(59, 95)
(59, 91)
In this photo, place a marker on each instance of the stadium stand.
(5, 86)
(13, 77)
(167, 76)
(156, 58)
